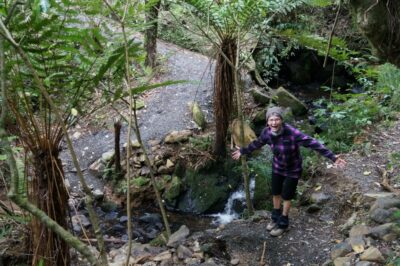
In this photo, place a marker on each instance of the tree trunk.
(48, 192)
(223, 94)
(117, 132)
(150, 40)
(379, 21)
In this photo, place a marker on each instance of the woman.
(285, 142)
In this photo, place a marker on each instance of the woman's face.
(275, 123)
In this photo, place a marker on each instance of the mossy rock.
(262, 191)
(285, 99)
(140, 181)
(173, 190)
(208, 190)
(108, 206)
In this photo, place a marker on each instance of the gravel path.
(166, 109)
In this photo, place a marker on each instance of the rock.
(383, 215)
(154, 142)
(364, 263)
(235, 261)
(169, 164)
(319, 197)
(183, 252)
(144, 171)
(97, 168)
(357, 244)
(139, 104)
(98, 194)
(372, 196)
(349, 223)
(163, 170)
(178, 236)
(340, 250)
(198, 115)
(150, 218)
(259, 96)
(385, 203)
(342, 261)
(286, 99)
(382, 230)
(178, 136)
(259, 117)
(359, 230)
(173, 190)
(107, 156)
(192, 261)
(313, 208)
(134, 144)
(372, 254)
(76, 135)
(78, 221)
(209, 262)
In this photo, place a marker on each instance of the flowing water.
(234, 206)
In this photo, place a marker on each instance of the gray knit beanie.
(278, 111)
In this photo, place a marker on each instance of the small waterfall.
(230, 212)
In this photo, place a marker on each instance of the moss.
(140, 181)
(174, 189)
(108, 206)
(160, 240)
(208, 190)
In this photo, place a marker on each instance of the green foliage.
(345, 116)
(260, 167)
(203, 143)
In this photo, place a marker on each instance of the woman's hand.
(236, 154)
(340, 163)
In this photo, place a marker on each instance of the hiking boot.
(282, 226)
(275, 215)
(271, 225)
(278, 231)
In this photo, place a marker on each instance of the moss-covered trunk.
(379, 21)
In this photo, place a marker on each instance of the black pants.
(284, 186)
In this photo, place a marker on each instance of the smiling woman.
(285, 142)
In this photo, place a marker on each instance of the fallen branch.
(263, 254)
(115, 241)
(385, 181)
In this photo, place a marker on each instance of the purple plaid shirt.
(287, 160)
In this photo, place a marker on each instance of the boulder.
(364, 263)
(357, 244)
(372, 254)
(284, 98)
(383, 215)
(178, 237)
(178, 136)
(319, 197)
(198, 115)
(384, 229)
(107, 156)
(340, 250)
(183, 252)
(386, 203)
(342, 261)
(173, 190)
(98, 194)
(359, 230)
(97, 168)
(260, 96)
